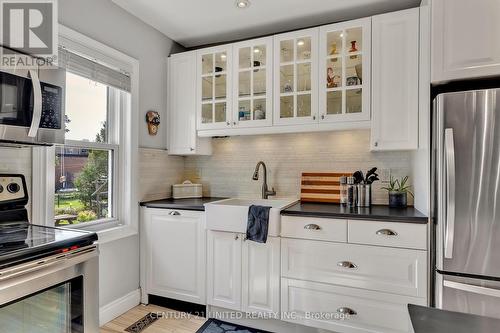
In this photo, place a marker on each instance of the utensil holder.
(364, 195)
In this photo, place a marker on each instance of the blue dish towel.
(258, 223)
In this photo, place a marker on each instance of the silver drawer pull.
(312, 227)
(386, 232)
(174, 213)
(346, 264)
(346, 311)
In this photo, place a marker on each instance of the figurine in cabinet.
(332, 80)
(333, 49)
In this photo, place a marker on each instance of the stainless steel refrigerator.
(466, 169)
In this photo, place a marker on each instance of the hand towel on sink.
(258, 223)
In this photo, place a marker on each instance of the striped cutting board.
(321, 186)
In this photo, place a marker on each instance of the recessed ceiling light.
(256, 50)
(300, 42)
(223, 56)
(242, 3)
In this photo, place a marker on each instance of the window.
(86, 187)
(90, 182)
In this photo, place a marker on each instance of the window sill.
(110, 231)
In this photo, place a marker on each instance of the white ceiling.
(199, 22)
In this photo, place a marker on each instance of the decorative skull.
(153, 120)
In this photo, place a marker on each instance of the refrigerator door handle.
(472, 288)
(449, 150)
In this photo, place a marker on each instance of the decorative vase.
(398, 199)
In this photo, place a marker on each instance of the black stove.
(21, 241)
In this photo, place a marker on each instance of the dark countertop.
(375, 212)
(181, 204)
(431, 320)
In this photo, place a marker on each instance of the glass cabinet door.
(214, 68)
(345, 71)
(295, 77)
(252, 83)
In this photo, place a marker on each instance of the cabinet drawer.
(314, 228)
(320, 305)
(406, 235)
(397, 271)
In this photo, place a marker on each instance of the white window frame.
(125, 204)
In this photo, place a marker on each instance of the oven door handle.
(37, 104)
(46, 262)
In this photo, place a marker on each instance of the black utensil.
(370, 172)
(372, 178)
(358, 177)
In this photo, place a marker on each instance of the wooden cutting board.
(321, 186)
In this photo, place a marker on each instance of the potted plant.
(398, 192)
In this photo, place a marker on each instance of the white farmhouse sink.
(232, 214)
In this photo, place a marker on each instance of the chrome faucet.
(265, 192)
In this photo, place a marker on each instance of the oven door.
(55, 297)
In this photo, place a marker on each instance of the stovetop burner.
(21, 241)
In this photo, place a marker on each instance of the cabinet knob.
(346, 311)
(228, 123)
(386, 232)
(346, 264)
(322, 116)
(312, 227)
(192, 149)
(314, 117)
(234, 123)
(376, 144)
(174, 213)
(236, 237)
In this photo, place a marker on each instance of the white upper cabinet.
(182, 138)
(465, 39)
(395, 95)
(252, 83)
(296, 77)
(214, 72)
(344, 71)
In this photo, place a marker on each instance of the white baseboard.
(118, 307)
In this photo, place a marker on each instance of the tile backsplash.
(228, 172)
(157, 172)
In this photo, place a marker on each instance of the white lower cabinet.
(344, 309)
(224, 269)
(243, 275)
(174, 245)
(398, 271)
(351, 275)
(261, 276)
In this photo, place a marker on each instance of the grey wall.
(107, 23)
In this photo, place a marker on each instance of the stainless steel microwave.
(32, 107)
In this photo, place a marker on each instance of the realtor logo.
(28, 27)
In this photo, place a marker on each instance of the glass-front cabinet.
(296, 77)
(214, 72)
(252, 83)
(344, 71)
